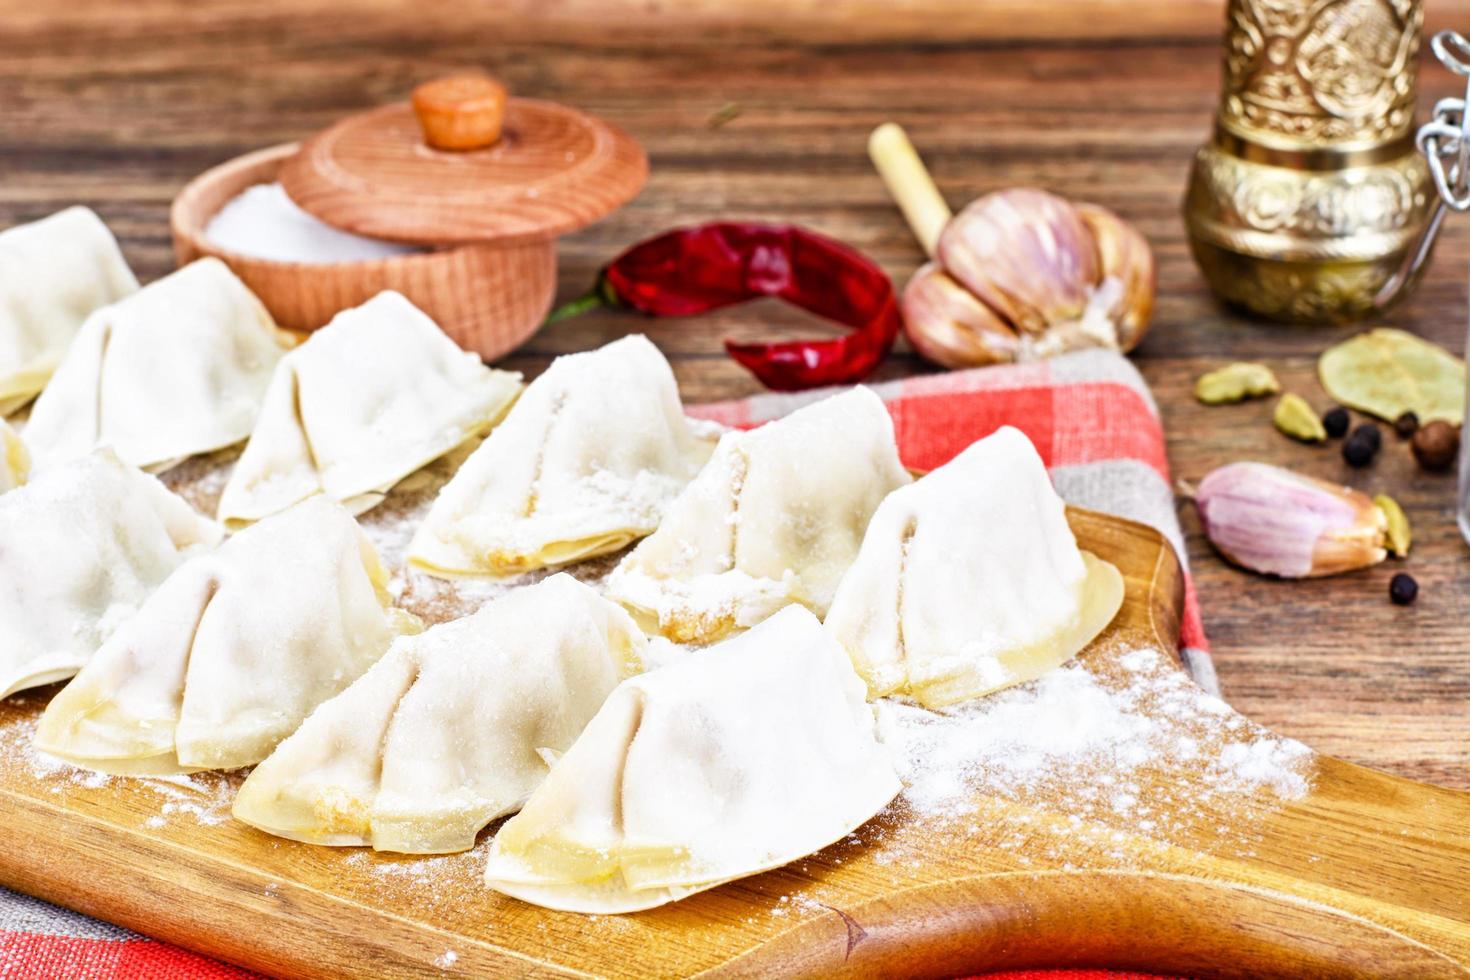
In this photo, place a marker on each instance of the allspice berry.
(1436, 444)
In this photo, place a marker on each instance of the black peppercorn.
(1405, 425)
(1359, 448)
(1402, 589)
(1336, 422)
(1369, 433)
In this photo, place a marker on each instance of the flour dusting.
(1080, 761)
(202, 798)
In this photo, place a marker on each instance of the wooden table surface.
(117, 105)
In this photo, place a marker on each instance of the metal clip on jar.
(1445, 143)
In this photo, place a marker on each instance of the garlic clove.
(948, 325)
(1027, 255)
(1277, 522)
(1124, 254)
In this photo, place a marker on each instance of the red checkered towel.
(1090, 415)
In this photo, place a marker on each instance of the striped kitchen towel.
(1090, 415)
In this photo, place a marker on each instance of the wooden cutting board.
(1350, 873)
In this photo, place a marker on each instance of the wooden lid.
(552, 169)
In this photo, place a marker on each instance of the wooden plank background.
(117, 105)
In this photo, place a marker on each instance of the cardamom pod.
(1399, 535)
(1296, 418)
(1235, 383)
(1277, 522)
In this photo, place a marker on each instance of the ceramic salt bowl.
(488, 216)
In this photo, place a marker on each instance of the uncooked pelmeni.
(81, 547)
(371, 397)
(232, 652)
(727, 762)
(53, 274)
(174, 370)
(585, 463)
(15, 460)
(451, 729)
(775, 517)
(970, 580)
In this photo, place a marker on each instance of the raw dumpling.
(373, 396)
(726, 762)
(585, 464)
(177, 369)
(232, 652)
(971, 580)
(451, 729)
(15, 462)
(81, 547)
(53, 274)
(775, 517)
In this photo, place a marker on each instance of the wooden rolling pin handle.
(462, 112)
(909, 182)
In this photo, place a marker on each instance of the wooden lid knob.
(463, 112)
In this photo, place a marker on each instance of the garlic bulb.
(1060, 276)
(960, 331)
(1277, 522)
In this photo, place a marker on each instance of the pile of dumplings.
(801, 568)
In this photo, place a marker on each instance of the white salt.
(264, 223)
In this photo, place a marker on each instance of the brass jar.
(1310, 193)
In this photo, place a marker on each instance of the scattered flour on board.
(1141, 749)
(1069, 723)
(203, 798)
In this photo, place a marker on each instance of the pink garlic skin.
(946, 324)
(1123, 253)
(1277, 522)
(1027, 255)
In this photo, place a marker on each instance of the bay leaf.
(1387, 372)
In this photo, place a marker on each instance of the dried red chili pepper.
(705, 267)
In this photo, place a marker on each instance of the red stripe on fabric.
(1104, 421)
(1192, 623)
(29, 956)
(933, 429)
(1070, 424)
(144, 959)
(24, 956)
